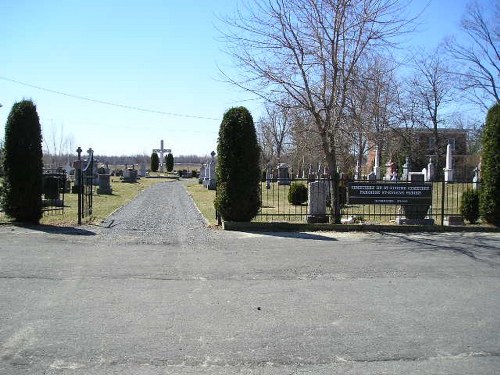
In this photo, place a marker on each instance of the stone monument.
(212, 180)
(103, 184)
(376, 167)
(430, 170)
(316, 198)
(283, 176)
(161, 153)
(448, 170)
(406, 169)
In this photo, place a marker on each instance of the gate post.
(443, 190)
(78, 168)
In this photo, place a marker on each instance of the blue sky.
(160, 55)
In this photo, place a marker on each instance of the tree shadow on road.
(475, 248)
(53, 229)
(298, 235)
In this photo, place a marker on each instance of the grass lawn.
(204, 200)
(103, 205)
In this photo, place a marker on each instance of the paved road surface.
(154, 291)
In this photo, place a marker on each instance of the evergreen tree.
(490, 168)
(238, 171)
(169, 161)
(23, 163)
(155, 162)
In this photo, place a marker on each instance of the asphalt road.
(153, 291)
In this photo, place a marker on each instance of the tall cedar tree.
(23, 163)
(169, 161)
(490, 168)
(238, 171)
(155, 162)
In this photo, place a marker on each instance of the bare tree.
(433, 89)
(372, 105)
(275, 131)
(478, 60)
(57, 146)
(308, 51)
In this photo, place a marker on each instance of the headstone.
(104, 185)
(372, 176)
(316, 196)
(126, 173)
(424, 172)
(129, 175)
(475, 179)
(453, 220)
(202, 173)
(357, 171)
(212, 181)
(430, 170)
(390, 168)
(376, 167)
(406, 169)
(448, 170)
(283, 176)
(416, 177)
(269, 176)
(142, 170)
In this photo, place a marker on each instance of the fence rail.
(444, 201)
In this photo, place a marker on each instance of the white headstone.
(317, 194)
(376, 168)
(448, 171)
(430, 170)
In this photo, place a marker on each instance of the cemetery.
(378, 193)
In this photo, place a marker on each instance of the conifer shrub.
(23, 164)
(469, 206)
(489, 199)
(297, 194)
(155, 162)
(169, 161)
(238, 172)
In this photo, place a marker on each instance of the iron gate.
(85, 181)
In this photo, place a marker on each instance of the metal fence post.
(442, 201)
(80, 183)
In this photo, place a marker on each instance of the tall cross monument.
(162, 151)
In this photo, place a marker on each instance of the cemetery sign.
(389, 193)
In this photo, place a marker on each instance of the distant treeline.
(61, 160)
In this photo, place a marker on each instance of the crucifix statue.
(162, 151)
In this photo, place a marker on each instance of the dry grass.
(103, 205)
(204, 200)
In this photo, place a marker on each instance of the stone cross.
(162, 151)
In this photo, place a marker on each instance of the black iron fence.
(386, 201)
(54, 186)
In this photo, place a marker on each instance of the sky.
(157, 60)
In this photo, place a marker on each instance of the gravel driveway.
(162, 214)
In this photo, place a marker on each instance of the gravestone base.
(284, 181)
(315, 219)
(211, 185)
(405, 221)
(104, 190)
(452, 220)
